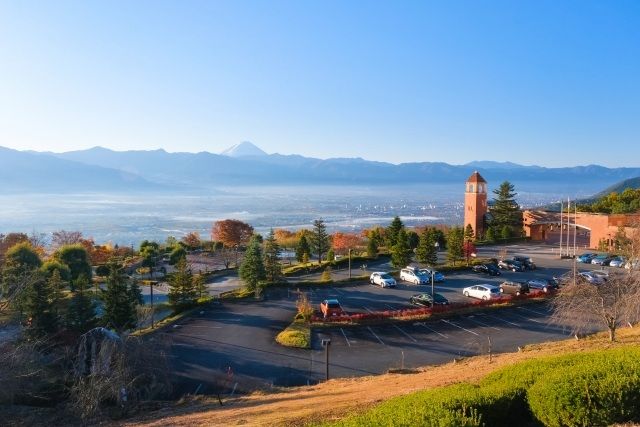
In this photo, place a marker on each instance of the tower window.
(470, 188)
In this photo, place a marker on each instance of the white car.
(413, 275)
(484, 292)
(591, 278)
(617, 262)
(384, 280)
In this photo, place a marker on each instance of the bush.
(594, 388)
(596, 391)
(298, 335)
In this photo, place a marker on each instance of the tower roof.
(476, 177)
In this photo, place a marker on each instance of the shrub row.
(585, 389)
(425, 311)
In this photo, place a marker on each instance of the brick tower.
(475, 203)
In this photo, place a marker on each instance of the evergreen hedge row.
(586, 389)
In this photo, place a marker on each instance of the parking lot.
(239, 337)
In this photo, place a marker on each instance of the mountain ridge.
(204, 170)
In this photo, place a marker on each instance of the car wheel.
(484, 297)
(466, 293)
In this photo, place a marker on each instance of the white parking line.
(460, 327)
(406, 334)
(374, 334)
(503, 320)
(432, 330)
(481, 323)
(528, 318)
(533, 311)
(345, 337)
(338, 291)
(367, 309)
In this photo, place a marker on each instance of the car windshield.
(386, 276)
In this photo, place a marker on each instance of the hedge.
(584, 389)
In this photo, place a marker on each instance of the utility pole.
(433, 295)
(561, 226)
(151, 296)
(326, 343)
(349, 263)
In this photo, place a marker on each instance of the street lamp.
(349, 263)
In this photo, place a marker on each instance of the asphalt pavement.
(230, 346)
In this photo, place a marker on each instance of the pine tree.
(200, 285)
(273, 270)
(426, 252)
(491, 234)
(320, 239)
(468, 233)
(39, 309)
(455, 244)
(182, 292)
(81, 313)
(120, 300)
(372, 248)
(392, 232)
(57, 285)
(252, 270)
(400, 252)
(302, 248)
(505, 210)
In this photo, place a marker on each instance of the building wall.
(602, 227)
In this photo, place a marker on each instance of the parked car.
(509, 264)
(604, 275)
(525, 261)
(586, 257)
(632, 264)
(514, 288)
(437, 276)
(384, 280)
(484, 292)
(601, 259)
(489, 269)
(591, 278)
(413, 275)
(330, 307)
(425, 300)
(617, 262)
(544, 285)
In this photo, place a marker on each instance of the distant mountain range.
(101, 169)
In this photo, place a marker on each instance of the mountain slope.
(619, 187)
(243, 149)
(212, 169)
(39, 172)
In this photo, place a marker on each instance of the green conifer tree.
(120, 300)
(302, 249)
(455, 244)
(182, 292)
(252, 270)
(392, 232)
(426, 252)
(320, 239)
(273, 270)
(81, 313)
(401, 252)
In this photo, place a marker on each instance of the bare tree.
(64, 237)
(613, 303)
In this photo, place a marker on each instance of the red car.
(330, 307)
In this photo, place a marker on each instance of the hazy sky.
(545, 82)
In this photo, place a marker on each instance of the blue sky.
(534, 82)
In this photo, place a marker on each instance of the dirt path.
(336, 398)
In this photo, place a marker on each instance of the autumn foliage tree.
(342, 242)
(192, 240)
(231, 232)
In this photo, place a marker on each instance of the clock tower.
(475, 203)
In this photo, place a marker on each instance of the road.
(232, 344)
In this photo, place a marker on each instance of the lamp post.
(349, 263)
